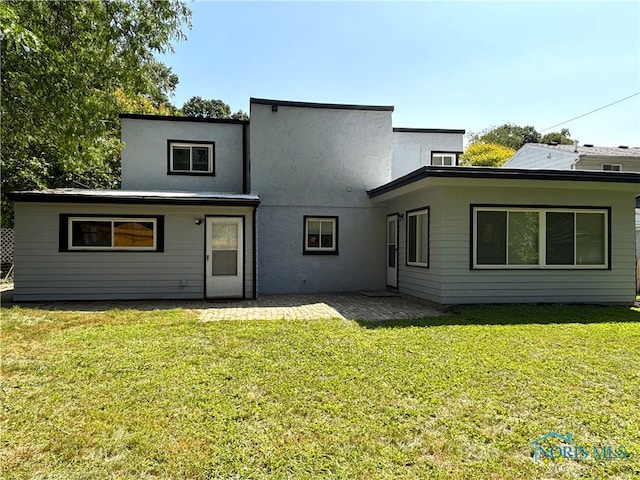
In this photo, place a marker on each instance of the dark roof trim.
(334, 106)
(175, 118)
(133, 199)
(429, 130)
(505, 174)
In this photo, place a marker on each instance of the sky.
(461, 65)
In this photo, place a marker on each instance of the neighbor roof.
(77, 195)
(584, 150)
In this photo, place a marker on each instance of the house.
(309, 197)
(576, 157)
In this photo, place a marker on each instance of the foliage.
(66, 69)
(200, 107)
(515, 136)
(140, 394)
(486, 155)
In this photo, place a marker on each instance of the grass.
(131, 394)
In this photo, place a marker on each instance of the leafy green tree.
(66, 69)
(515, 136)
(486, 155)
(203, 108)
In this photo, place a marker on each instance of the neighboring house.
(576, 157)
(310, 197)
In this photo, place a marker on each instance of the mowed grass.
(132, 394)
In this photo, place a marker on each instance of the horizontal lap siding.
(44, 273)
(450, 280)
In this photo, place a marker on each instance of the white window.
(418, 238)
(443, 159)
(191, 158)
(111, 233)
(611, 167)
(320, 235)
(521, 237)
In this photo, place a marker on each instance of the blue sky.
(468, 65)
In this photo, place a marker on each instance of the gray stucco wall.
(313, 161)
(412, 150)
(145, 163)
(449, 279)
(44, 273)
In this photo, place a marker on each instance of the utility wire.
(589, 113)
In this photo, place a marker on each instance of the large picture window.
(522, 237)
(90, 233)
(418, 238)
(320, 235)
(191, 157)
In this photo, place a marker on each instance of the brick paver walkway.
(348, 306)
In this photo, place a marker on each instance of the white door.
(392, 251)
(224, 257)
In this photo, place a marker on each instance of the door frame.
(242, 248)
(397, 217)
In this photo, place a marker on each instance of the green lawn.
(130, 394)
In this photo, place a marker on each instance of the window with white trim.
(523, 237)
(111, 233)
(443, 159)
(418, 238)
(611, 167)
(320, 235)
(191, 157)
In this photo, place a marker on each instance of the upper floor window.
(611, 167)
(443, 159)
(191, 157)
(321, 235)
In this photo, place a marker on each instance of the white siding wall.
(45, 273)
(316, 161)
(595, 163)
(449, 280)
(145, 163)
(412, 150)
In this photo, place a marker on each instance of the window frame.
(453, 155)
(414, 213)
(306, 249)
(66, 232)
(211, 146)
(615, 167)
(541, 210)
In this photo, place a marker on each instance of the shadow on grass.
(516, 315)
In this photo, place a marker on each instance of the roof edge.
(505, 174)
(430, 130)
(332, 106)
(176, 118)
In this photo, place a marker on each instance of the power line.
(589, 113)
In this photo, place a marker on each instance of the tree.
(67, 68)
(200, 107)
(486, 155)
(515, 136)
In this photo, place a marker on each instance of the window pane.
(491, 231)
(437, 160)
(326, 234)
(90, 234)
(523, 238)
(133, 234)
(181, 158)
(560, 238)
(224, 262)
(422, 238)
(412, 247)
(224, 236)
(200, 159)
(590, 233)
(313, 234)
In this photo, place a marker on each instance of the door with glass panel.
(224, 257)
